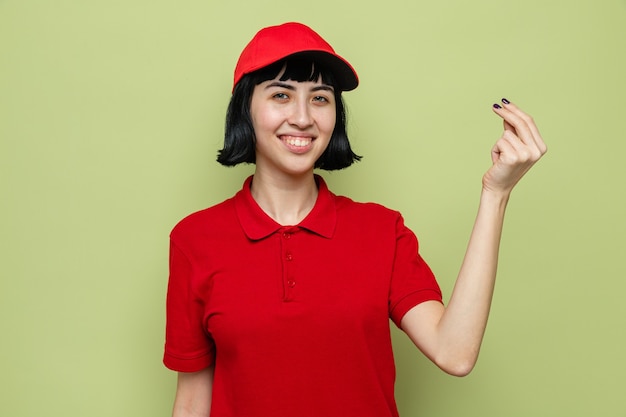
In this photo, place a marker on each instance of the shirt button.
(291, 283)
(289, 257)
(287, 235)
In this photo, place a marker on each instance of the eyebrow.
(322, 87)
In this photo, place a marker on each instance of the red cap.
(271, 44)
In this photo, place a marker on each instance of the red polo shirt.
(295, 318)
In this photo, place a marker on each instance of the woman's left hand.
(517, 150)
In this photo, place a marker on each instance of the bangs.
(297, 69)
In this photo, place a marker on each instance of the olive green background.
(111, 113)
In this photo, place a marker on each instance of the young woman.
(280, 297)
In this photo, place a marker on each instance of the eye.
(280, 96)
(321, 99)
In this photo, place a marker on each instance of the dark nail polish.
(505, 101)
(497, 106)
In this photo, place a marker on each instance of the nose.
(301, 115)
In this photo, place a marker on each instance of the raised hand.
(517, 150)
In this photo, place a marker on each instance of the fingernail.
(497, 106)
(505, 101)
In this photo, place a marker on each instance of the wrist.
(494, 197)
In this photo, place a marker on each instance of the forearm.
(462, 326)
(193, 394)
(186, 410)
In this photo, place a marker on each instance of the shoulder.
(374, 211)
(211, 219)
(347, 206)
(368, 218)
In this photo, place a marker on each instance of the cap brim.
(344, 73)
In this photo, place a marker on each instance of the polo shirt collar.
(257, 224)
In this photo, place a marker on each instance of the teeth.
(298, 141)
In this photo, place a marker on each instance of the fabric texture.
(295, 319)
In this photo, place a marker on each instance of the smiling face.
(293, 123)
(239, 136)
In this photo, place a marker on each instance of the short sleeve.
(188, 348)
(412, 280)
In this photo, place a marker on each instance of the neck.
(286, 199)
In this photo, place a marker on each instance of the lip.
(297, 143)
